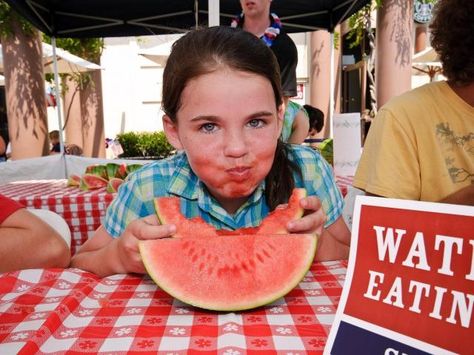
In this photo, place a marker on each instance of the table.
(74, 312)
(82, 210)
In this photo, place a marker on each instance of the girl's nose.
(235, 144)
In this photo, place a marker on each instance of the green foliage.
(8, 17)
(145, 144)
(87, 48)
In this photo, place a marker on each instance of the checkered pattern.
(58, 311)
(82, 210)
(344, 182)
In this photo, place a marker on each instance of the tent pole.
(214, 12)
(56, 94)
(331, 87)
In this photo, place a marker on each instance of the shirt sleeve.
(127, 206)
(389, 163)
(7, 207)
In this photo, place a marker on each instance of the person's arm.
(333, 241)
(104, 255)
(28, 242)
(464, 196)
(300, 128)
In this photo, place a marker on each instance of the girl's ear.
(171, 132)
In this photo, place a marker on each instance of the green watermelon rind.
(289, 285)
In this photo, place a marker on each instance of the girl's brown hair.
(206, 50)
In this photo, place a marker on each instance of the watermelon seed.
(191, 252)
(271, 246)
(260, 258)
(244, 266)
(266, 253)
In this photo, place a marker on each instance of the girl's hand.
(140, 229)
(313, 220)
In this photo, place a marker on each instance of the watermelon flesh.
(229, 273)
(169, 212)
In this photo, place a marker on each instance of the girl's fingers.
(149, 228)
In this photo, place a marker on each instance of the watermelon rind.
(113, 185)
(189, 273)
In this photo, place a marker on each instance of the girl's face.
(228, 125)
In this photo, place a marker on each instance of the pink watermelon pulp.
(225, 273)
(169, 212)
(228, 270)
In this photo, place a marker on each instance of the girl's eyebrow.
(213, 118)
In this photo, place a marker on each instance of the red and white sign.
(410, 281)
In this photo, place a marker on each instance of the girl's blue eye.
(255, 123)
(208, 127)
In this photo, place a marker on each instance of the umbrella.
(112, 18)
(158, 54)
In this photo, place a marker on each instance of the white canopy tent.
(67, 62)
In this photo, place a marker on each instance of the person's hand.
(313, 220)
(140, 229)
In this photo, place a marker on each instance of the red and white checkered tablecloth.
(82, 210)
(74, 312)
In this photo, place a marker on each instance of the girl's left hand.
(313, 220)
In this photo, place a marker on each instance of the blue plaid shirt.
(174, 177)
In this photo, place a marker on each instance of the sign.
(422, 12)
(410, 280)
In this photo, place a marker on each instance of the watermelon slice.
(229, 273)
(74, 180)
(92, 182)
(276, 221)
(169, 212)
(113, 184)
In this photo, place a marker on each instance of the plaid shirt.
(174, 177)
(290, 113)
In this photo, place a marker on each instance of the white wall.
(131, 83)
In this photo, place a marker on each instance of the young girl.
(223, 113)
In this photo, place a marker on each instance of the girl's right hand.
(140, 229)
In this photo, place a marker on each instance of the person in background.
(3, 149)
(54, 140)
(27, 241)
(257, 19)
(223, 113)
(421, 144)
(316, 119)
(73, 149)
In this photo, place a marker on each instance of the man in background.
(257, 19)
(420, 145)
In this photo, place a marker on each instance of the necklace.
(270, 33)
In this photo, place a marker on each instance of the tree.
(24, 85)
